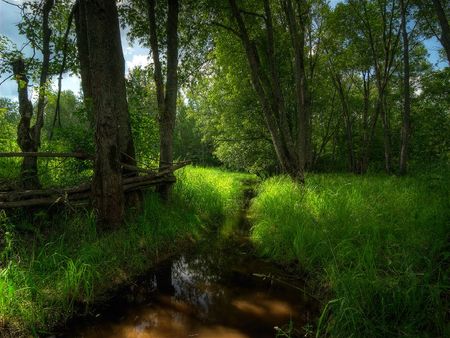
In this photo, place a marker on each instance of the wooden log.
(36, 198)
(13, 195)
(80, 156)
(145, 184)
(44, 201)
(137, 169)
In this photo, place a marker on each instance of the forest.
(224, 168)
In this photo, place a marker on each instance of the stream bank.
(218, 288)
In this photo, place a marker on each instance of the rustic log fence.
(143, 179)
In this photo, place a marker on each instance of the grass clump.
(212, 192)
(379, 245)
(52, 270)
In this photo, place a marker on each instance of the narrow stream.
(218, 289)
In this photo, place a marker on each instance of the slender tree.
(289, 134)
(29, 137)
(166, 94)
(439, 8)
(406, 125)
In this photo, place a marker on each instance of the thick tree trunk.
(406, 127)
(126, 144)
(445, 28)
(108, 97)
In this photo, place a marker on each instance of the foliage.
(30, 28)
(143, 109)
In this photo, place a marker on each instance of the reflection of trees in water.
(196, 281)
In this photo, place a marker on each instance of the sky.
(134, 54)
(9, 17)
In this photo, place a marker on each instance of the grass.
(51, 266)
(377, 247)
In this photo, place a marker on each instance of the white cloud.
(69, 82)
(137, 60)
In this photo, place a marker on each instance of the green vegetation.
(49, 271)
(377, 245)
(337, 88)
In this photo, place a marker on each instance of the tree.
(289, 134)
(166, 95)
(439, 6)
(29, 137)
(406, 126)
(99, 36)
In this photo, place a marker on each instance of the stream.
(217, 289)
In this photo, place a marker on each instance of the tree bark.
(386, 131)
(347, 121)
(406, 126)
(167, 119)
(166, 97)
(83, 57)
(28, 173)
(29, 137)
(46, 34)
(298, 44)
(445, 28)
(108, 97)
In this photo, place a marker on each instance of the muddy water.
(219, 289)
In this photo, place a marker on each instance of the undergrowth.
(50, 268)
(377, 245)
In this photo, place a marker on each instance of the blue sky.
(9, 17)
(134, 54)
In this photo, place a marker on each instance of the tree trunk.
(280, 128)
(29, 137)
(445, 28)
(28, 173)
(406, 127)
(83, 57)
(337, 82)
(364, 156)
(167, 118)
(108, 97)
(298, 44)
(386, 131)
(126, 144)
(166, 97)
(46, 33)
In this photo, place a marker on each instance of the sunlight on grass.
(376, 243)
(64, 261)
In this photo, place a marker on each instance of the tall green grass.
(52, 268)
(212, 192)
(378, 245)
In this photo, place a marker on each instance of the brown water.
(215, 294)
(219, 289)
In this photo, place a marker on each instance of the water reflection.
(206, 294)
